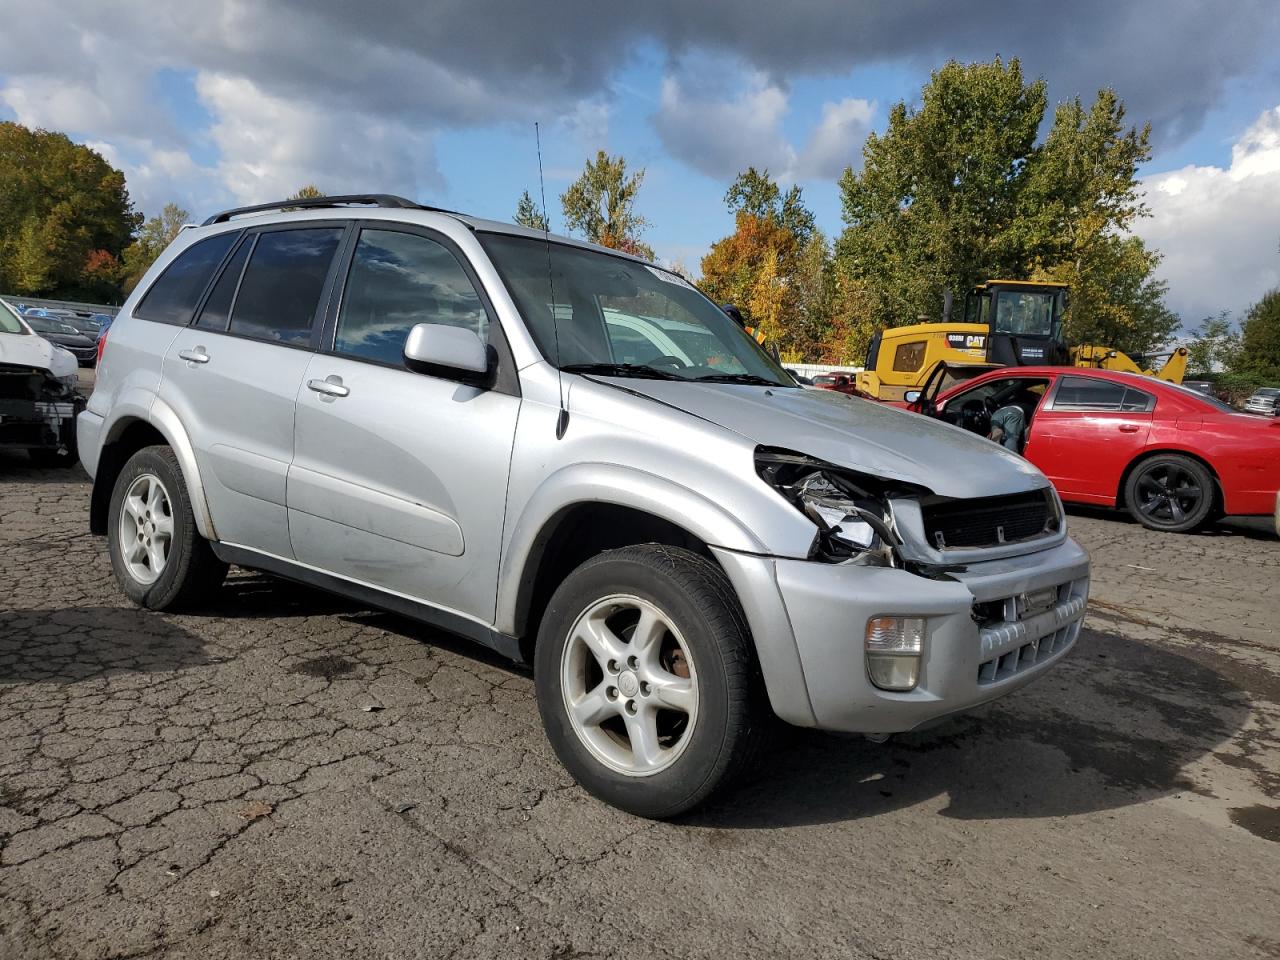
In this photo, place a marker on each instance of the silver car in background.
(573, 457)
(1263, 401)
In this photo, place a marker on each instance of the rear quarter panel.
(1243, 452)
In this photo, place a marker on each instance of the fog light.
(894, 646)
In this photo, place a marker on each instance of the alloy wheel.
(630, 686)
(1168, 493)
(146, 528)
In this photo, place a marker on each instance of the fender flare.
(163, 418)
(611, 484)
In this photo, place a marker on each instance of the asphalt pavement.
(285, 774)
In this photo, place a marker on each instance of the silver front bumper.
(809, 620)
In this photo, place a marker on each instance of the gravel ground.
(288, 775)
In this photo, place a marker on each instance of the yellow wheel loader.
(1006, 323)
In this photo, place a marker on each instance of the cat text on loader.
(1006, 323)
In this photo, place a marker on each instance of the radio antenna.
(562, 420)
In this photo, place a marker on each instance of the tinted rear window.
(1085, 393)
(281, 287)
(173, 297)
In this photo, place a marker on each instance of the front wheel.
(647, 681)
(1170, 492)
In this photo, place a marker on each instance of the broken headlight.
(851, 514)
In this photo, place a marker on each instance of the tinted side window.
(398, 280)
(218, 307)
(282, 284)
(1081, 393)
(173, 297)
(1137, 400)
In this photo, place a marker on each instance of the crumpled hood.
(28, 349)
(849, 432)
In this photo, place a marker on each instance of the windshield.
(614, 316)
(43, 324)
(1026, 314)
(9, 322)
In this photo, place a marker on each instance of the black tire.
(192, 571)
(1171, 493)
(732, 710)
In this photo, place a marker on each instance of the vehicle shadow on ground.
(247, 594)
(1113, 725)
(252, 595)
(1252, 528)
(73, 644)
(16, 467)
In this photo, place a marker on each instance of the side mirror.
(454, 353)
(911, 396)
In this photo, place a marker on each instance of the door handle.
(194, 356)
(329, 387)
(1128, 428)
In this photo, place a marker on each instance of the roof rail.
(365, 199)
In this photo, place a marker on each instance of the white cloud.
(720, 128)
(269, 146)
(837, 141)
(1219, 229)
(721, 134)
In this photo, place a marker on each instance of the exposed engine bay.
(38, 410)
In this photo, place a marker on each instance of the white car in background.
(39, 396)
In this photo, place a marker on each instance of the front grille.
(990, 521)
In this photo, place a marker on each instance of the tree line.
(958, 189)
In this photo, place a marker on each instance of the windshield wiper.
(638, 370)
(749, 378)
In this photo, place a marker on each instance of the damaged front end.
(877, 521)
(851, 510)
(37, 409)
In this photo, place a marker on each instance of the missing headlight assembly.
(852, 511)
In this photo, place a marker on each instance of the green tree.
(935, 205)
(756, 193)
(308, 192)
(153, 236)
(529, 215)
(957, 191)
(1080, 200)
(600, 205)
(1258, 357)
(775, 266)
(1213, 346)
(65, 216)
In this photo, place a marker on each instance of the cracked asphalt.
(288, 775)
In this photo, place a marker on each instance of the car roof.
(1046, 371)
(401, 210)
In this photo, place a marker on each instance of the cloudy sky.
(218, 102)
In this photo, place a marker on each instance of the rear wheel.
(1170, 492)
(647, 681)
(157, 554)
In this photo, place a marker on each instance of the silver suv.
(575, 458)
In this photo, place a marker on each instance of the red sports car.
(1172, 457)
(840, 382)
